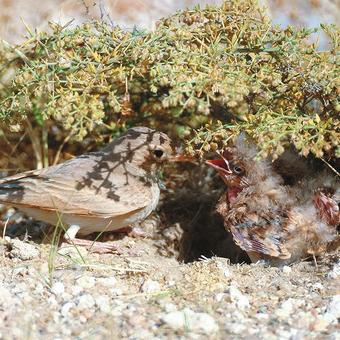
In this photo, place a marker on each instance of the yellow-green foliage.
(220, 70)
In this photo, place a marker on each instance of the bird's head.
(146, 148)
(231, 169)
(238, 167)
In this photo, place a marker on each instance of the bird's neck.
(232, 193)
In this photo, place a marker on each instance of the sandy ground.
(142, 294)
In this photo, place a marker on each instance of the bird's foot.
(91, 246)
(94, 246)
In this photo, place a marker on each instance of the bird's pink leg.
(92, 246)
(95, 247)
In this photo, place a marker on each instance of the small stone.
(76, 290)
(86, 301)
(82, 319)
(237, 328)
(150, 286)
(66, 296)
(65, 309)
(52, 301)
(58, 288)
(335, 272)
(224, 269)
(5, 296)
(39, 288)
(170, 307)
(107, 281)
(288, 307)
(44, 269)
(103, 303)
(86, 281)
(116, 291)
(22, 250)
(320, 325)
(286, 269)
(318, 286)
(187, 319)
(241, 300)
(333, 310)
(3, 249)
(219, 297)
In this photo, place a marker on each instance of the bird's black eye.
(158, 153)
(238, 170)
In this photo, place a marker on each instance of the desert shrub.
(202, 74)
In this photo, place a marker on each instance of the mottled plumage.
(271, 219)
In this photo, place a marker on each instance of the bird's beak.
(221, 165)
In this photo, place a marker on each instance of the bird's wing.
(260, 236)
(328, 207)
(83, 186)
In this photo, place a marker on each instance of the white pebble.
(58, 288)
(22, 250)
(52, 301)
(333, 310)
(5, 296)
(237, 328)
(335, 272)
(288, 307)
(170, 307)
(318, 286)
(39, 288)
(187, 319)
(103, 303)
(86, 301)
(76, 290)
(150, 286)
(219, 297)
(116, 291)
(65, 309)
(224, 269)
(82, 318)
(107, 281)
(241, 300)
(86, 281)
(286, 269)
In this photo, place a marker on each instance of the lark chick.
(100, 191)
(269, 219)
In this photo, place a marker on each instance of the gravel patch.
(151, 296)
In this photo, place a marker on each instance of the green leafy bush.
(203, 74)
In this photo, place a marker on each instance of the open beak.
(221, 164)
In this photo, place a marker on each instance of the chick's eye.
(158, 153)
(238, 170)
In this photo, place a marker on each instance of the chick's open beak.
(221, 165)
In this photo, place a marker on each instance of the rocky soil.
(141, 294)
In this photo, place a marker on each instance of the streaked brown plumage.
(272, 220)
(100, 191)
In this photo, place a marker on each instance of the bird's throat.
(232, 193)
